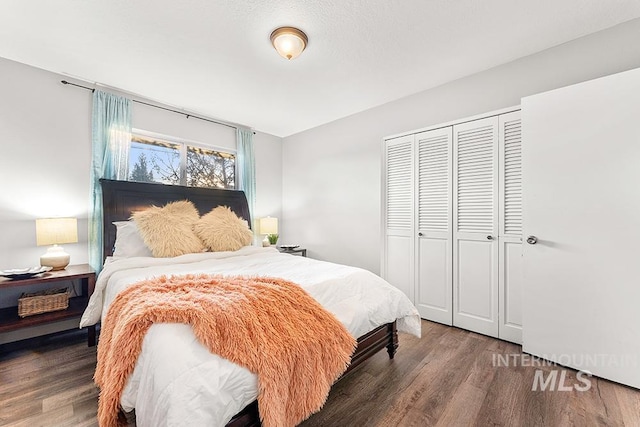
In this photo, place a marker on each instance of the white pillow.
(129, 242)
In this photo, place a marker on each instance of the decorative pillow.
(129, 243)
(222, 230)
(168, 231)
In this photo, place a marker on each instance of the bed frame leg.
(91, 336)
(393, 340)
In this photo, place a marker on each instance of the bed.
(376, 330)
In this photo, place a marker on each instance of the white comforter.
(177, 381)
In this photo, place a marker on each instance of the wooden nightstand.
(296, 251)
(10, 321)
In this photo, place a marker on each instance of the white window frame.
(183, 143)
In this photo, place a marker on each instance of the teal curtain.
(111, 139)
(247, 168)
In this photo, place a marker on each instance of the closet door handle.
(489, 237)
(532, 240)
(420, 234)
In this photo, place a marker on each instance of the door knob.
(532, 240)
(489, 237)
(420, 234)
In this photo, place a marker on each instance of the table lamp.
(55, 231)
(269, 227)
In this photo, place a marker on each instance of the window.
(170, 161)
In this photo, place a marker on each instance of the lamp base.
(55, 257)
(266, 242)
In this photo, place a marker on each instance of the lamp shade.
(289, 42)
(268, 225)
(55, 231)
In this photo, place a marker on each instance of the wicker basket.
(43, 302)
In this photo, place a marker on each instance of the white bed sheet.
(177, 381)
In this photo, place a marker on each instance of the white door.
(581, 176)
(510, 225)
(398, 254)
(475, 226)
(433, 296)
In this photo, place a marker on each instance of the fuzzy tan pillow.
(168, 231)
(222, 230)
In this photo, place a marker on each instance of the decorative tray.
(289, 247)
(23, 273)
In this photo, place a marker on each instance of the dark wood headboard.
(121, 198)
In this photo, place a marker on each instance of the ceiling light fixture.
(289, 41)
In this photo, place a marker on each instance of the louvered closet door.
(398, 256)
(434, 258)
(510, 223)
(475, 243)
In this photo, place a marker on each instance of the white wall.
(268, 152)
(45, 134)
(167, 123)
(331, 176)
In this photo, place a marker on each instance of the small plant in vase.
(273, 238)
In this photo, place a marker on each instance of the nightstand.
(296, 251)
(10, 321)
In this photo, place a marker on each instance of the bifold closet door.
(434, 264)
(475, 226)
(398, 254)
(510, 279)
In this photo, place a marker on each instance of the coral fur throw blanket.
(268, 325)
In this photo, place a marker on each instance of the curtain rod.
(64, 82)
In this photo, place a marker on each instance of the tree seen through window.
(155, 160)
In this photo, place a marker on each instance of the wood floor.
(447, 378)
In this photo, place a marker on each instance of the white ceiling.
(215, 58)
